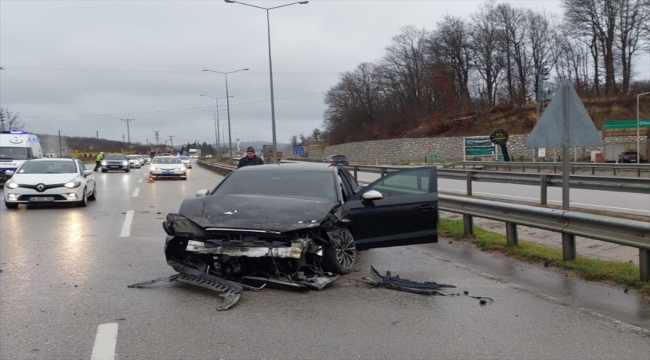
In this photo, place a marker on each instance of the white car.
(186, 161)
(50, 180)
(167, 167)
(134, 161)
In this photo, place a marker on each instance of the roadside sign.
(298, 150)
(429, 148)
(433, 156)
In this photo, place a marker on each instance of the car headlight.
(103, 163)
(9, 184)
(125, 162)
(73, 184)
(183, 168)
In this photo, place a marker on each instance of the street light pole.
(638, 126)
(268, 28)
(216, 124)
(227, 105)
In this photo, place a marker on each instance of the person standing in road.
(250, 158)
(98, 161)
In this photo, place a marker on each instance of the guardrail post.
(383, 172)
(568, 247)
(356, 168)
(470, 175)
(511, 234)
(614, 170)
(468, 220)
(638, 172)
(644, 264)
(543, 187)
(593, 170)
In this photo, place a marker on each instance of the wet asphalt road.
(65, 272)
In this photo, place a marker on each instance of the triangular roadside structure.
(549, 131)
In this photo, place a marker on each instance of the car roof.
(292, 166)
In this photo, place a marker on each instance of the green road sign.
(434, 156)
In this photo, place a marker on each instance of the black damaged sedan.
(298, 225)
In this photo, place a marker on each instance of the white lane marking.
(136, 192)
(550, 201)
(140, 180)
(126, 227)
(105, 341)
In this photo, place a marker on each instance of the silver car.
(186, 161)
(134, 161)
(167, 167)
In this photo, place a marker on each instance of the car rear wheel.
(104, 170)
(11, 205)
(341, 255)
(127, 170)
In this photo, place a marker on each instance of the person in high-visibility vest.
(98, 160)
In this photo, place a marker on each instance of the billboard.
(478, 146)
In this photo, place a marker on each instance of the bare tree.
(634, 15)
(487, 59)
(597, 18)
(10, 120)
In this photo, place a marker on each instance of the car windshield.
(14, 153)
(318, 184)
(132, 157)
(167, 160)
(114, 157)
(48, 167)
(340, 157)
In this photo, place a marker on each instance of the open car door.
(398, 209)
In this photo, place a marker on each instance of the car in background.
(269, 223)
(146, 159)
(115, 162)
(50, 180)
(186, 161)
(629, 156)
(134, 161)
(337, 160)
(167, 167)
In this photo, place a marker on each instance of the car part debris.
(425, 288)
(230, 291)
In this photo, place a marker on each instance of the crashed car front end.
(291, 259)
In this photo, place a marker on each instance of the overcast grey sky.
(81, 66)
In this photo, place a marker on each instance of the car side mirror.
(9, 172)
(202, 192)
(372, 195)
(88, 172)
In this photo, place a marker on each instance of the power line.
(186, 72)
(170, 110)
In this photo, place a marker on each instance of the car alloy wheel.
(341, 255)
(93, 196)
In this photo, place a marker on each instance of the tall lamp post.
(227, 105)
(216, 123)
(638, 125)
(268, 27)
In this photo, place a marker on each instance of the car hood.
(255, 212)
(34, 179)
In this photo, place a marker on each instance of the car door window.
(409, 182)
(354, 185)
(346, 191)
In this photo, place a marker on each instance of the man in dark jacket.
(250, 158)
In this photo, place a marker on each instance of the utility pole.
(171, 141)
(60, 152)
(157, 134)
(128, 131)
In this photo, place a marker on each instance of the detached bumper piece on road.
(424, 288)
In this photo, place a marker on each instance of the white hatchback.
(50, 180)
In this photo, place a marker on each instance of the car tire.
(340, 257)
(104, 170)
(127, 170)
(84, 201)
(11, 205)
(93, 196)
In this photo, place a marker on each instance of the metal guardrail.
(555, 166)
(601, 183)
(609, 229)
